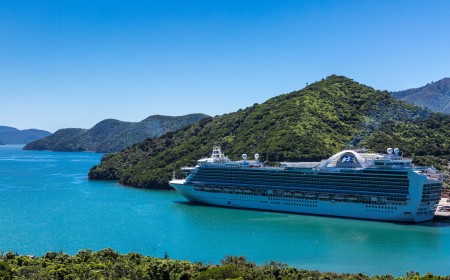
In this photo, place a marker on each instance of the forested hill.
(435, 96)
(310, 124)
(112, 135)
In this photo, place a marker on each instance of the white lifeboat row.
(294, 194)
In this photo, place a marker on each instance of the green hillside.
(112, 135)
(310, 124)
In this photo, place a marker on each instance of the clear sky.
(74, 63)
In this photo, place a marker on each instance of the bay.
(47, 204)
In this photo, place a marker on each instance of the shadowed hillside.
(112, 135)
(435, 96)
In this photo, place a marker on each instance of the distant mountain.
(11, 135)
(309, 124)
(7, 129)
(112, 135)
(435, 96)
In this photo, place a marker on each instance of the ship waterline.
(348, 184)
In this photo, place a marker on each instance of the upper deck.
(347, 161)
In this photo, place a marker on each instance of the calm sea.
(47, 204)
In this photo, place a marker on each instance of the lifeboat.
(247, 191)
(352, 197)
(298, 194)
(287, 194)
(310, 195)
(217, 189)
(338, 197)
(238, 190)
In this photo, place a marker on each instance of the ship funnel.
(256, 157)
(389, 151)
(244, 157)
(396, 151)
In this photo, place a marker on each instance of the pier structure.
(442, 213)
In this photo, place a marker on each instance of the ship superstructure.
(348, 184)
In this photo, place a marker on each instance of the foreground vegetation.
(306, 125)
(109, 264)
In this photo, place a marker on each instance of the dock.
(442, 213)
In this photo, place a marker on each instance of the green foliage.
(229, 271)
(5, 271)
(109, 264)
(112, 135)
(310, 124)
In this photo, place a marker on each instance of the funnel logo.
(347, 159)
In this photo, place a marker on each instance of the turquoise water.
(47, 203)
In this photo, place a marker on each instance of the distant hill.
(4, 129)
(310, 124)
(112, 135)
(435, 96)
(57, 141)
(11, 135)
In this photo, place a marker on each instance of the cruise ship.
(349, 184)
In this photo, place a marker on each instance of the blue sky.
(74, 63)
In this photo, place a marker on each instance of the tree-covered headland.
(306, 125)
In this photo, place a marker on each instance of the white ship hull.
(348, 184)
(349, 209)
